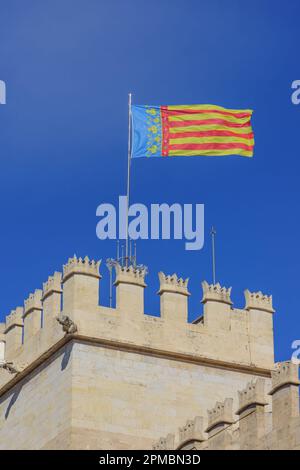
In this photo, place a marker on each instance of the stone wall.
(36, 412)
(91, 396)
(125, 400)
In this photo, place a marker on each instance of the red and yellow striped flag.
(188, 130)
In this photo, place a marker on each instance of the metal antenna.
(134, 259)
(118, 250)
(130, 251)
(128, 172)
(213, 234)
(122, 255)
(109, 265)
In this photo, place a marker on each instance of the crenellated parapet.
(216, 293)
(15, 318)
(130, 275)
(260, 311)
(83, 266)
(252, 414)
(285, 393)
(173, 284)
(52, 285)
(80, 284)
(130, 285)
(82, 341)
(33, 313)
(224, 335)
(217, 306)
(258, 301)
(173, 292)
(253, 429)
(33, 302)
(51, 298)
(252, 395)
(285, 373)
(13, 332)
(165, 443)
(220, 415)
(193, 435)
(192, 431)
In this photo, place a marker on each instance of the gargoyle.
(68, 325)
(9, 367)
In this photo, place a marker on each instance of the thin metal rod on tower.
(110, 287)
(118, 250)
(110, 263)
(134, 258)
(128, 173)
(213, 234)
(122, 255)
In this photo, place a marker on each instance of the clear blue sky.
(68, 66)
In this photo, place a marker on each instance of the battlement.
(253, 394)
(193, 430)
(130, 275)
(227, 336)
(165, 443)
(251, 430)
(33, 302)
(221, 414)
(53, 284)
(15, 318)
(285, 373)
(173, 284)
(258, 301)
(83, 266)
(215, 292)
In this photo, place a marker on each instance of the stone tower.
(78, 375)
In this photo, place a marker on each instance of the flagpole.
(128, 173)
(213, 233)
